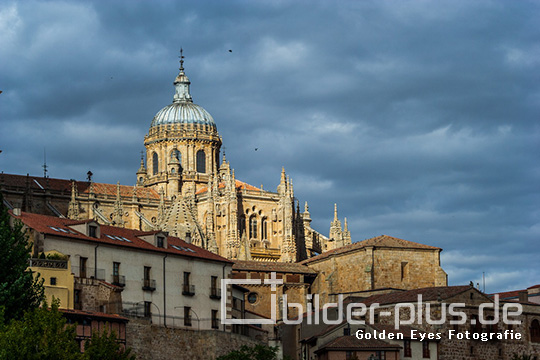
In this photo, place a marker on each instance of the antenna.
(44, 166)
(484, 281)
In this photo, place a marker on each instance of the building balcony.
(149, 284)
(88, 273)
(119, 280)
(188, 290)
(215, 293)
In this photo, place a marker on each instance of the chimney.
(17, 211)
(523, 296)
(188, 237)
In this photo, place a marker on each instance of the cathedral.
(185, 189)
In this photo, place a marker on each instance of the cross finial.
(181, 59)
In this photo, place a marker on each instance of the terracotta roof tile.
(269, 266)
(94, 314)
(238, 184)
(379, 241)
(411, 296)
(37, 183)
(51, 225)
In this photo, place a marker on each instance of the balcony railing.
(88, 272)
(119, 280)
(149, 284)
(48, 263)
(188, 290)
(215, 293)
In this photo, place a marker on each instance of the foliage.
(19, 290)
(105, 346)
(257, 352)
(42, 334)
(56, 256)
(521, 357)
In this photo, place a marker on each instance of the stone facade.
(377, 263)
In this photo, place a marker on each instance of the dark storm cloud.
(419, 118)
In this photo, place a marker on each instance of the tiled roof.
(94, 314)
(403, 329)
(238, 184)
(269, 266)
(379, 241)
(115, 236)
(411, 296)
(348, 342)
(37, 183)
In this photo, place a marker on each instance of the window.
(82, 267)
(214, 290)
(116, 268)
(116, 273)
(425, 349)
(346, 331)
(201, 162)
(264, 229)
(349, 355)
(252, 297)
(404, 270)
(155, 164)
(188, 289)
(407, 348)
(187, 316)
(92, 231)
(535, 331)
(215, 322)
(53, 281)
(160, 241)
(147, 309)
(252, 227)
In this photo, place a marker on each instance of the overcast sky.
(419, 118)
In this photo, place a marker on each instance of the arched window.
(252, 227)
(535, 331)
(201, 162)
(155, 163)
(264, 229)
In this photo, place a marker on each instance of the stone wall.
(159, 343)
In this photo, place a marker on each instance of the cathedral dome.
(183, 112)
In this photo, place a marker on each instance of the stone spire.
(118, 208)
(346, 233)
(141, 173)
(73, 210)
(335, 230)
(181, 84)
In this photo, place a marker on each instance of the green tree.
(41, 334)
(257, 352)
(19, 290)
(105, 346)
